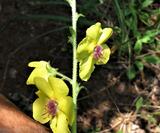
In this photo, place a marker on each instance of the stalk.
(64, 77)
(74, 72)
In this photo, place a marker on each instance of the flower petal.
(105, 55)
(59, 86)
(40, 93)
(106, 33)
(44, 86)
(85, 47)
(39, 112)
(37, 64)
(86, 68)
(65, 104)
(53, 124)
(60, 125)
(94, 32)
(39, 71)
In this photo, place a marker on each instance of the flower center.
(52, 107)
(97, 52)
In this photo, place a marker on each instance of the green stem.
(74, 73)
(64, 77)
(121, 19)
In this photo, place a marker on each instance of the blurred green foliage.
(120, 131)
(139, 104)
(140, 24)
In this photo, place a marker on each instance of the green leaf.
(152, 59)
(131, 73)
(133, 18)
(155, 11)
(146, 3)
(138, 46)
(72, 31)
(144, 17)
(139, 65)
(119, 131)
(148, 37)
(151, 119)
(139, 103)
(73, 34)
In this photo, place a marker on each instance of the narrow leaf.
(119, 131)
(151, 119)
(152, 59)
(139, 104)
(131, 73)
(146, 3)
(73, 34)
(138, 46)
(148, 37)
(139, 65)
(144, 17)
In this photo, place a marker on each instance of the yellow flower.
(93, 50)
(53, 104)
(40, 70)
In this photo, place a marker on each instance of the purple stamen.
(52, 107)
(97, 52)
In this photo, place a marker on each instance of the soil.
(107, 93)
